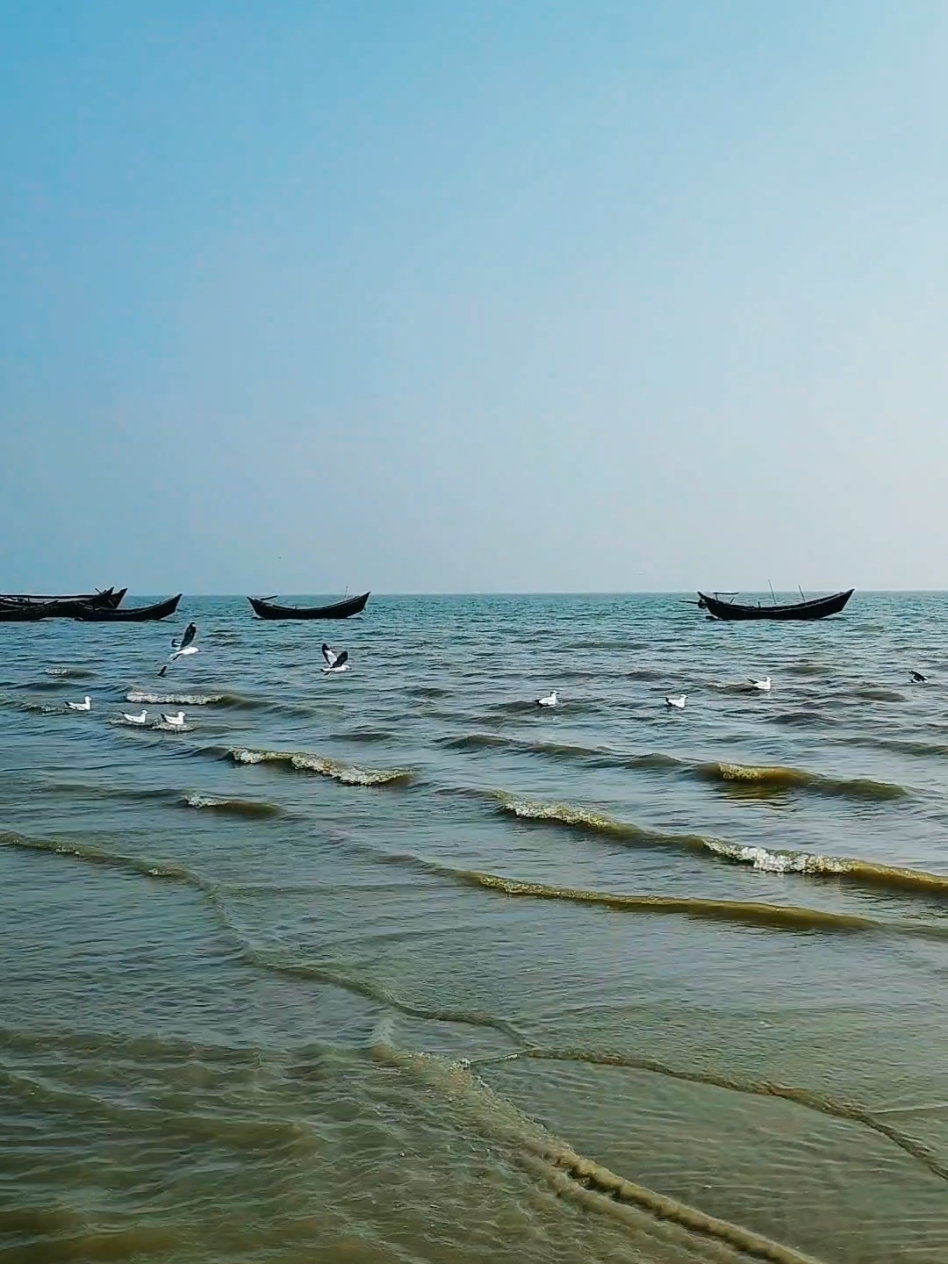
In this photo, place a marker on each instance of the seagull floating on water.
(918, 678)
(677, 702)
(762, 685)
(550, 700)
(183, 648)
(84, 705)
(135, 719)
(176, 721)
(335, 662)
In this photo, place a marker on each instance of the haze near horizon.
(419, 298)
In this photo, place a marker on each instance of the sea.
(395, 966)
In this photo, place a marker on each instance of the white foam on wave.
(183, 699)
(777, 861)
(347, 774)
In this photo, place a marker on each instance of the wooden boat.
(108, 598)
(816, 608)
(128, 614)
(338, 610)
(23, 613)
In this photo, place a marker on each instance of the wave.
(34, 708)
(184, 699)
(776, 779)
(180, 798)
(863, 872)
(754, 913)
(592, 756)
(302, 761)
(771, 860)
(269, 959)
(70, 673)
(803, 718)
(363, 735)
(520, 707)
(574, 817)
(474, 741)
(236, 700)
(571, 1175)
(748, 780)
(255, 809)
(877, 693)
(803, 1097)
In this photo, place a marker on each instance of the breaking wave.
(771, 860)
(302, 761)
(183, 699)
(766, 779)
(254, 809)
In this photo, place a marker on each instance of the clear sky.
(493, 296)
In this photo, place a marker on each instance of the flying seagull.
(135, 719)
(176, 721)
(918, 678)
(677, 702)
(183, 648)
(762, 685)
(84, 705)
(335, 662)
(550, 700)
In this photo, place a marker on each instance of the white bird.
(184, 648)
(335, 662)
(135, 719)
(762, 685)
(176, 721)
(677, 702)
(550, 700)
(84, 705)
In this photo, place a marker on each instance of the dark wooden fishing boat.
(107, 598)
(338, 610)
(816, 608)
(23, 613)
(128, 614)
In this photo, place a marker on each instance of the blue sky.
(473, 297)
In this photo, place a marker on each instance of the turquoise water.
(397, 966)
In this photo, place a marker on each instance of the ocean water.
(397, 966)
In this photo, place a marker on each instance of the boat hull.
(818, 608)
(338, 610)
(108, 598)
(130, 614)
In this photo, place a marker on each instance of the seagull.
(176, 721)
(135, 719)
(335, 662)
(918, 678)
(84, 705)
(762, 685)
(677, 702)
(183, 648)
(549, 701)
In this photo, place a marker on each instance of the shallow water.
(397, 966)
